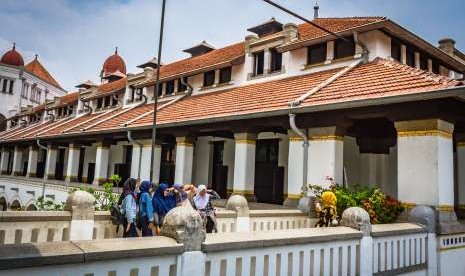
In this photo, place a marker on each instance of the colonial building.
(379, 106)
(24, 87)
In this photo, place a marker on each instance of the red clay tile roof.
(114, 63)
(226, 54)
(309, 32)
(377, 79)
(112, 86)
(67, 99)
(37, 69)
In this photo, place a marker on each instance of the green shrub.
(381, 207)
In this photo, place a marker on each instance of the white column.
(17, 161)
(368, 169)
(461, 174)
(203, 160)
(101, 163)
(425, 163)
(4, 161)
(72, 168)
(266, 61)
(295, 170)
(244, 165)
(184, 160)
(32, 162)
(145, 161)
(50, 163)
(329, 52)
(325, 157)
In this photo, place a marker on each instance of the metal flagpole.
(157, 88)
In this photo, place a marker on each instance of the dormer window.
(410, 56)
(107, 102)
(258, 63)
(209, 78)
(316, 54)
(276, 61)
(225, 75)
(344, 48)
(181, 86)
(14, 122)
(159, 91)
(396, 47)
(169, 88)
(423, 62)
(135, 94)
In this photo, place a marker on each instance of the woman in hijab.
(146, 209)
(128, 204)
(204, 206)
(163, 201)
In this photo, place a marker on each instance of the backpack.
(116, 216)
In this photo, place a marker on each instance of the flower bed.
(381, 207)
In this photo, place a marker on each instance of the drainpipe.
(305, 145)
(51, 115)
(43, 178)
(86, 105)
(297, 102)
(140, 150)
(365, 51)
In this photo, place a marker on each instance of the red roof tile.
(67, 99)
(309, 32)
(37, 69)
(226, 54)
(377, 79)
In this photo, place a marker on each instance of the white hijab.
(201, 201)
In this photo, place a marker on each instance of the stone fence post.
(426, 216)
(81, 204)
(185, 225)
(239, 204)
(359, 219)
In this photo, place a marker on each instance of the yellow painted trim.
(74, 148)
(242, 192)
(326, 138)
(409, 205)
(461, 144)
(295, 139)
(451, 248)
(184, 144)
(103, 147)
(445, 208)
(461, 207)
(293, 196)
(245, 141)
(434, 132)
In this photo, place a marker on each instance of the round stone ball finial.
(184, 225)
(81, 204)
(236, 202)
(357, 218)
(425, 215)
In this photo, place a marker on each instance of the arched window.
(3, 204)
(15, 205)
(31, 207)
(2, 122)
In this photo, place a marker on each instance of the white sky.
(73, 38)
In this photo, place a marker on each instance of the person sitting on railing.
(128, 204)
(163, 201)
(204, 207)
(146, 209)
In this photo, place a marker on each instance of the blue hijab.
(145, 186)
(162, 204)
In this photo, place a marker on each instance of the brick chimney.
(447, 45)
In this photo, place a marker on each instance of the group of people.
(145, 205)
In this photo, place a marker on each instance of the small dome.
(12, 57)
(112, 64)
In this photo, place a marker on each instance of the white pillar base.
(101, 164)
